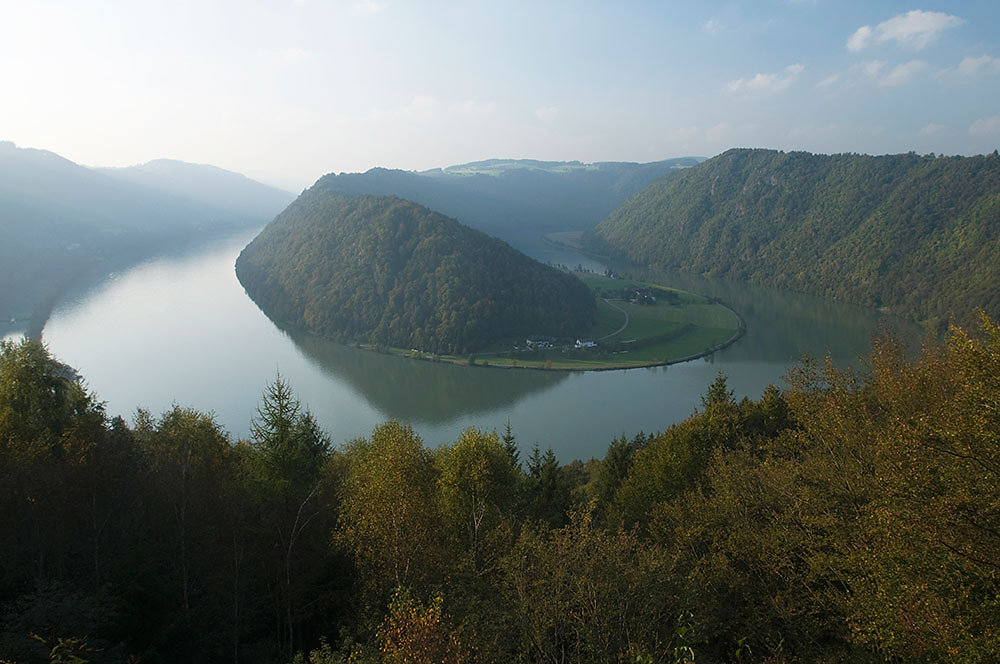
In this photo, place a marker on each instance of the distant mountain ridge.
(390, 272)
(503, 197)
(206, 184)
(918, 235)
(59, 220)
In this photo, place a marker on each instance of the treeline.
(919, 235)
(505, 196)
(852, 517)
(389, 272)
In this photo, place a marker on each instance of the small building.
(539, 342)
(585, 343)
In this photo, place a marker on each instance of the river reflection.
(782, 326)
(422, 391)
(180, 328)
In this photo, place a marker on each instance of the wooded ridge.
(918, 235)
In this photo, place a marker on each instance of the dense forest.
(386, 271)
(918, 235)
(503, 197)
(60, 221)
(851, 517)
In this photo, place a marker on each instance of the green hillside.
(386, 271)
(505, 197)
(917, 235)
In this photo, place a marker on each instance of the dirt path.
(620, 329)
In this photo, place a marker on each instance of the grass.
(678, 327)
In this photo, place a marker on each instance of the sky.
(287, 90)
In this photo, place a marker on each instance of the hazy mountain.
(505, 196)
(386, 271)
(206, 184)
(59, 220)
(919, 235)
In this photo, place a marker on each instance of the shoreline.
(451, 359)
(88, 276)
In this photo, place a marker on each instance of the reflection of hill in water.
(422, 391)
(782, 326)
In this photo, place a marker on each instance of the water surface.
(181, 329)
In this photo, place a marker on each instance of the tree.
(288, 441)
(288, 451)
(389, 516)
(581, 593)
(477, 486)
(510, 444)
(189, 472)
(718, 393)
(548, 488)
(414, 633)
(614, 469)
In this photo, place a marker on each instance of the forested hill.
(919, 235)
(386, 271)
(505, 196)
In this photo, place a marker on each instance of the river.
(179, 329)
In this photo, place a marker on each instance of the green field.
(680, 325)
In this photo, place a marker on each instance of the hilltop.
(504, 197)
(390, 272)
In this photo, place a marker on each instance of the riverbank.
(496, 362)
(647, 325)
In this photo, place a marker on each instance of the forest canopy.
(850, 517)
(389, 272)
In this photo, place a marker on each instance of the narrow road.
(620, 329)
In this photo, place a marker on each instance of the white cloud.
(718, 132)
(713, 27)
(475, 107)
(420, 105)
(876, 70)
(931, 128)
(683, 134)
(292, 55)
(984, 126)
(767, 83)
(915, 28)
(368, 6)
(860, 38)
(547, 113)
(873, 68)
(984, 63)
(828, 81)
(284, 56)
(904, 73)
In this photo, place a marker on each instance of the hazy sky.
(288, 90)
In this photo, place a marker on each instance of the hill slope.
(387, 271)
(209, 185)
(917, 235)
(505, 196)
(59, 220)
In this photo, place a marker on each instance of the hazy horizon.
(285, 92)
